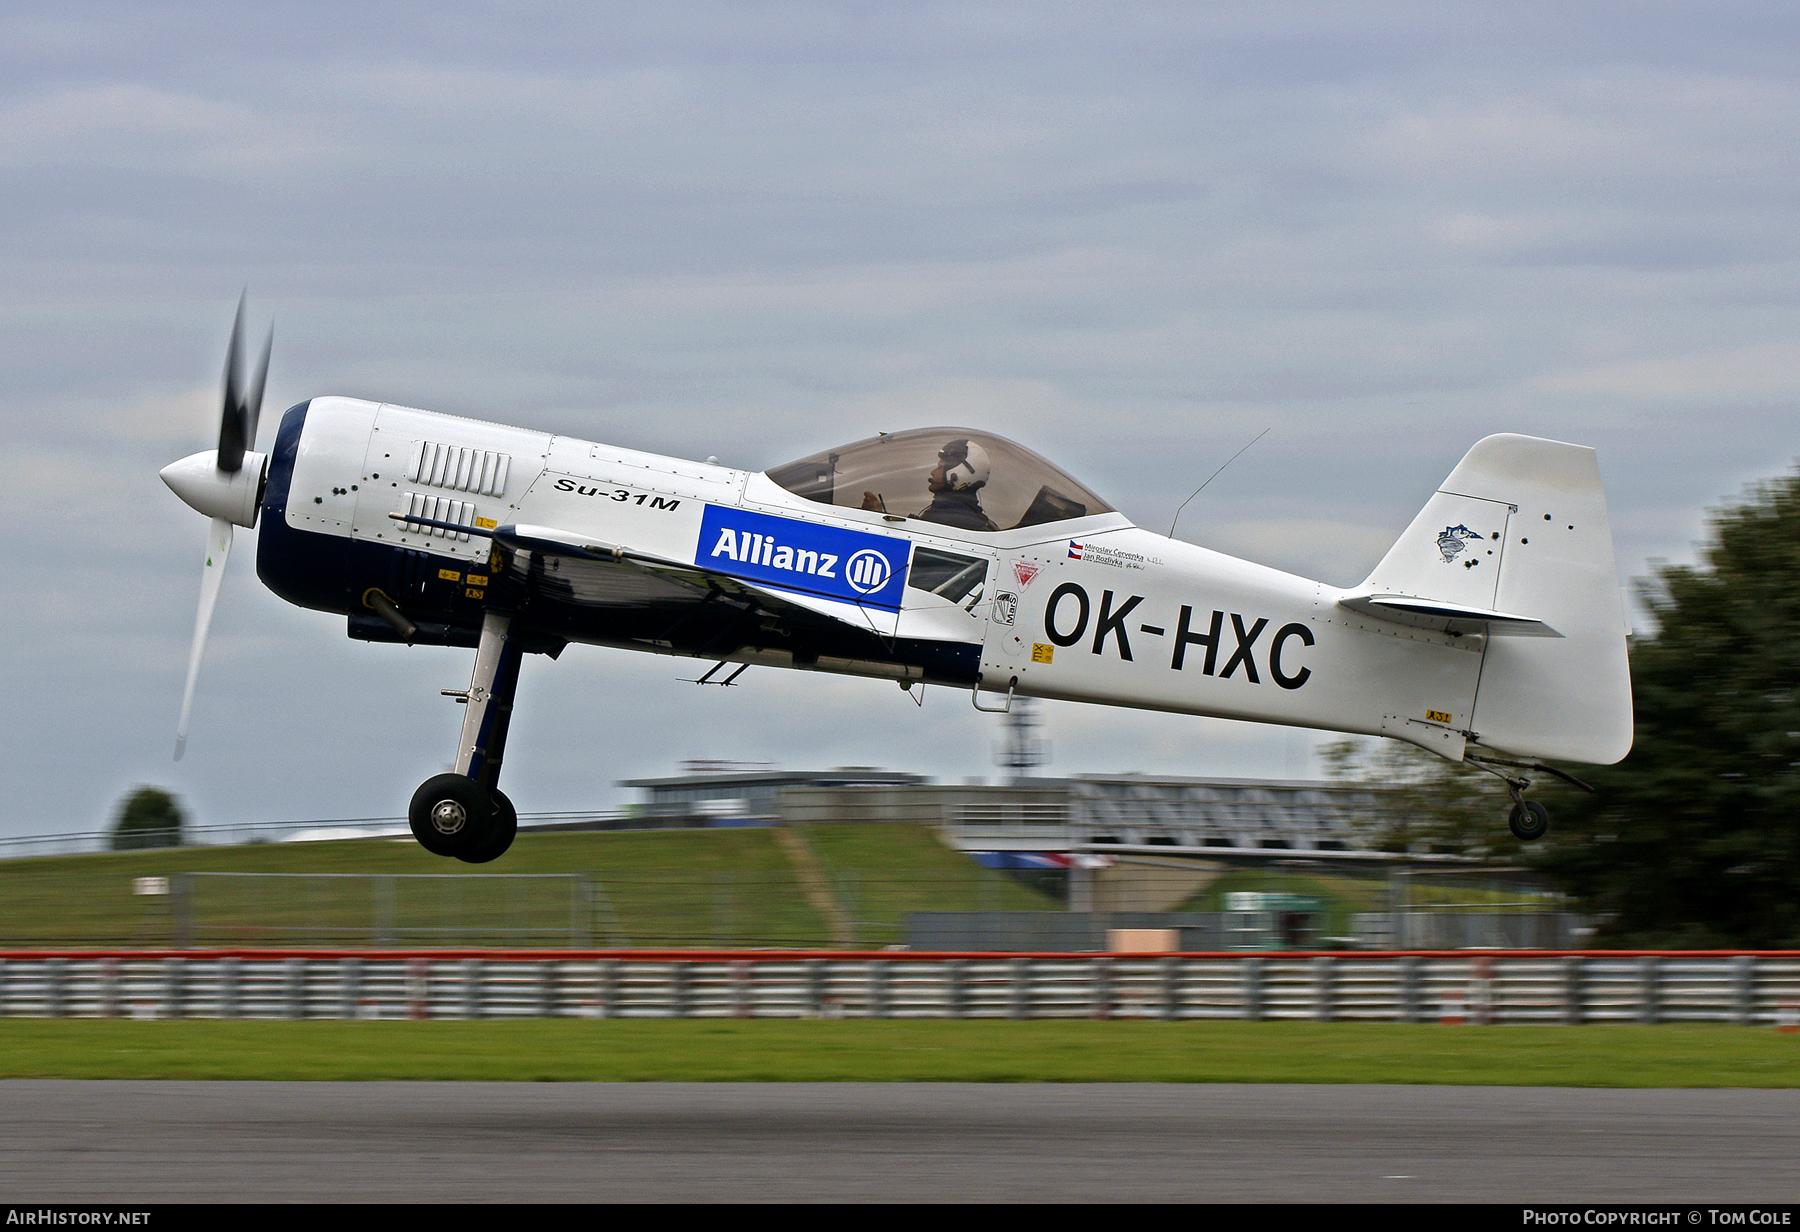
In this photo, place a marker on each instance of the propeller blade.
(232, 441)
(218, 550)
(243, 403)
(253, 397)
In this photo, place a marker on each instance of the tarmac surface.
(75, 1141)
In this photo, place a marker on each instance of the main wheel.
(450, 814)
(1529, 820)
(501, 828)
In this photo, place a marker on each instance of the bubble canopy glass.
(895, 474)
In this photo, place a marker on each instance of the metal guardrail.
(1518, 987)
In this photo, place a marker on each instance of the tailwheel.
(451, 815)
(1529, 820)
(502, 826)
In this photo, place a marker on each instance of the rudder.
(1520, 526)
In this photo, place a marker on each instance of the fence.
(617, 908)
(385, 909)
(968, 908)
(1531, 987)
(1222, 930)
(93, 842)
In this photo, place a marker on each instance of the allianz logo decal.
(826, 560)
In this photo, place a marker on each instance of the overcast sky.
(1131, 236)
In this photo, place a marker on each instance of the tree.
(1694, 839)
(1427, 804)
(150, 817)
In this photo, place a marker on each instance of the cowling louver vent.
(440, 509)
(463, 470)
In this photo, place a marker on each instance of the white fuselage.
(1089, 609)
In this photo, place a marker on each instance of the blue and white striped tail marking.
(850, 565)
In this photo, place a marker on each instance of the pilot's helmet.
(966, 465)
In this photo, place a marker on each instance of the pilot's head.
(963, 466)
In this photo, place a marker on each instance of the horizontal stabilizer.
(1446, 617)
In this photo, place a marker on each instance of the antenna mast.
(1022, 751)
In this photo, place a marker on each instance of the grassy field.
(667, 887)
(901, 1051)
(880, 873)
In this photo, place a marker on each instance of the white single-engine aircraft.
(1492, 633)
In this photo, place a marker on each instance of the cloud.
(140, 128)
(1132, 238)
(1719, 376)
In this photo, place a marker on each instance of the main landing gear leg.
(464, 813)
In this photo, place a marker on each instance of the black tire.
(449, 814)
(1529, 821)
(502, 827)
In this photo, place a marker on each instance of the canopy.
(954, 476)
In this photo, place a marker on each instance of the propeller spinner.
(226, 485)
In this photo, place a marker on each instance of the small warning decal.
(1041, 652)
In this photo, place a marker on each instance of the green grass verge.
(902, 1051)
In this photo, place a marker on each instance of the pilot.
(955, 484)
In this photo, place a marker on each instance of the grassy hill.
(805, 886)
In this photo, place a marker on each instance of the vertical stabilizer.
(1520, 527)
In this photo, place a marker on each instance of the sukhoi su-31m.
(1492, 633)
